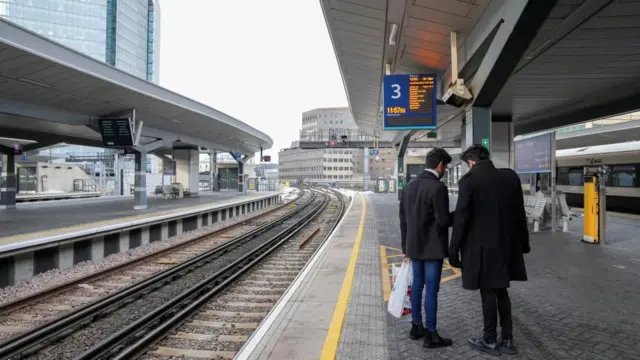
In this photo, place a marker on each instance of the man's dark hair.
(476, 153)
(437, 156)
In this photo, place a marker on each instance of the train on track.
(622, 160)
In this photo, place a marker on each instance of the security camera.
(457, 94)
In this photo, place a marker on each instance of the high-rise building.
(122, 33)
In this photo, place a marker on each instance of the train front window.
(576, 177)
(562, 176)
(623, 176)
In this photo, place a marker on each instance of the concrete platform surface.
(33, 220)
(581, 301)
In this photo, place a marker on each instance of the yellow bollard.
(591, 209)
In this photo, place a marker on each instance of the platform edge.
(254, 340)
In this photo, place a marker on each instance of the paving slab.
(581, 301)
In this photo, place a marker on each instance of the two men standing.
(489, 233)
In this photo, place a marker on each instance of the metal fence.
(255, 184)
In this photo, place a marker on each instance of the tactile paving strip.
(364, 334)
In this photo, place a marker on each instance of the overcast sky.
(262, 62)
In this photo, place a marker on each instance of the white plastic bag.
(400, 300)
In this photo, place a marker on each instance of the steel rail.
(155, 324)
(27, 300)
(45, 334)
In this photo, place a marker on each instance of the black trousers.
(496, 301)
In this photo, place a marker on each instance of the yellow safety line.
(330, 347)
(386, 267)
(386, 284)
(63, 230)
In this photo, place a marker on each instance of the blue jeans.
(425, 272)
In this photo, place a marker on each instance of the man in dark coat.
(490, 232)
(424, 226)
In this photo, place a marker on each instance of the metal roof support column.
(240, 162)
(240, 177)
(402, 149)
(7, 179)
(502, 148)
(213, 170)
(140, 183)
(365, 176)
(476, 129)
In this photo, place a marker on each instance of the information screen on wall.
(168, 167)
(116, 132)
(410, 102)
(534, 154)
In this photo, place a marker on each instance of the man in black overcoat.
(491, 235)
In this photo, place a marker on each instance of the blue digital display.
(410, 102)
(534, 155)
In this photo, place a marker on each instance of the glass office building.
(122, 33)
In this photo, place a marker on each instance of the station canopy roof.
(49, 90)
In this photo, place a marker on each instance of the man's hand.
(406, 258)
(455, 263)
(526, 250)
(454, 259)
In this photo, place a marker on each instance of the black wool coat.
(490, 229)
(425, 218)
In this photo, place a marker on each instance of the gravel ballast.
(56, 277)
(83, 339)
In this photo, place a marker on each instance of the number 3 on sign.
(396, 91)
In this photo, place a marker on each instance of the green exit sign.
(485, 143)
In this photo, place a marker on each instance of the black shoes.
(417, 331)
(434, 340)
(484, 345)
(506, 346)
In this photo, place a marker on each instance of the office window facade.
(131, 36)
(78, 24)
(122, 33)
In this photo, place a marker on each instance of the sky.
(262, 62)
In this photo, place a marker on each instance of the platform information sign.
(410, 102)
(168, 167)
(116, 132)
(534, 154)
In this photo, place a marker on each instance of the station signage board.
(168, 167)
(116, 133)
(534, 154)
(17, 149)
(410, 102)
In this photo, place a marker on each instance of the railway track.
(233, 302)
(69, 305)
(234, 291)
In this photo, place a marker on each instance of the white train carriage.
(623, 186)
(623, 160)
